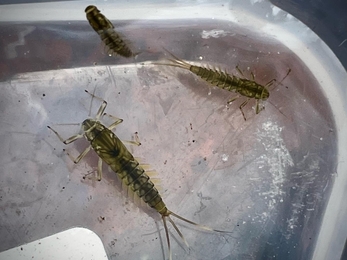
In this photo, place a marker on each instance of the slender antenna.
(289, 70)
(279, 83)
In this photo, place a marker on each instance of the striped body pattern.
(108, 35)
(114, 153)
(245, 87)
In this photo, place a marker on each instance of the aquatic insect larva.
(133, 176)
(242, 86)
(108, 35)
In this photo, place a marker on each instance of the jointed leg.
(232, 99)
(238, 69)
(99, 177)
(131, 142)
(241, 108)
(102, 108)
(270, 83)
(257, 101)
(99, 172)
(257, 107)
(135, 142)
(117, 121)
(81, 156)
(68, 140)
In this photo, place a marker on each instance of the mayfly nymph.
(248, 88)
(131, 173)
(113, 41)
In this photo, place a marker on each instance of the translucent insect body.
(113, 152)
(113, 41)
(248, 88)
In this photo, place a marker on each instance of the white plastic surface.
(75, 243)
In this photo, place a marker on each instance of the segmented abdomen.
(113, 152)
(106, 31)
(114, 43)
(135, 177)
(244, 87)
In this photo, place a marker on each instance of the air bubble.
(225, 157)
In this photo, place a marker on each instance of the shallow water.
(266, 179)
